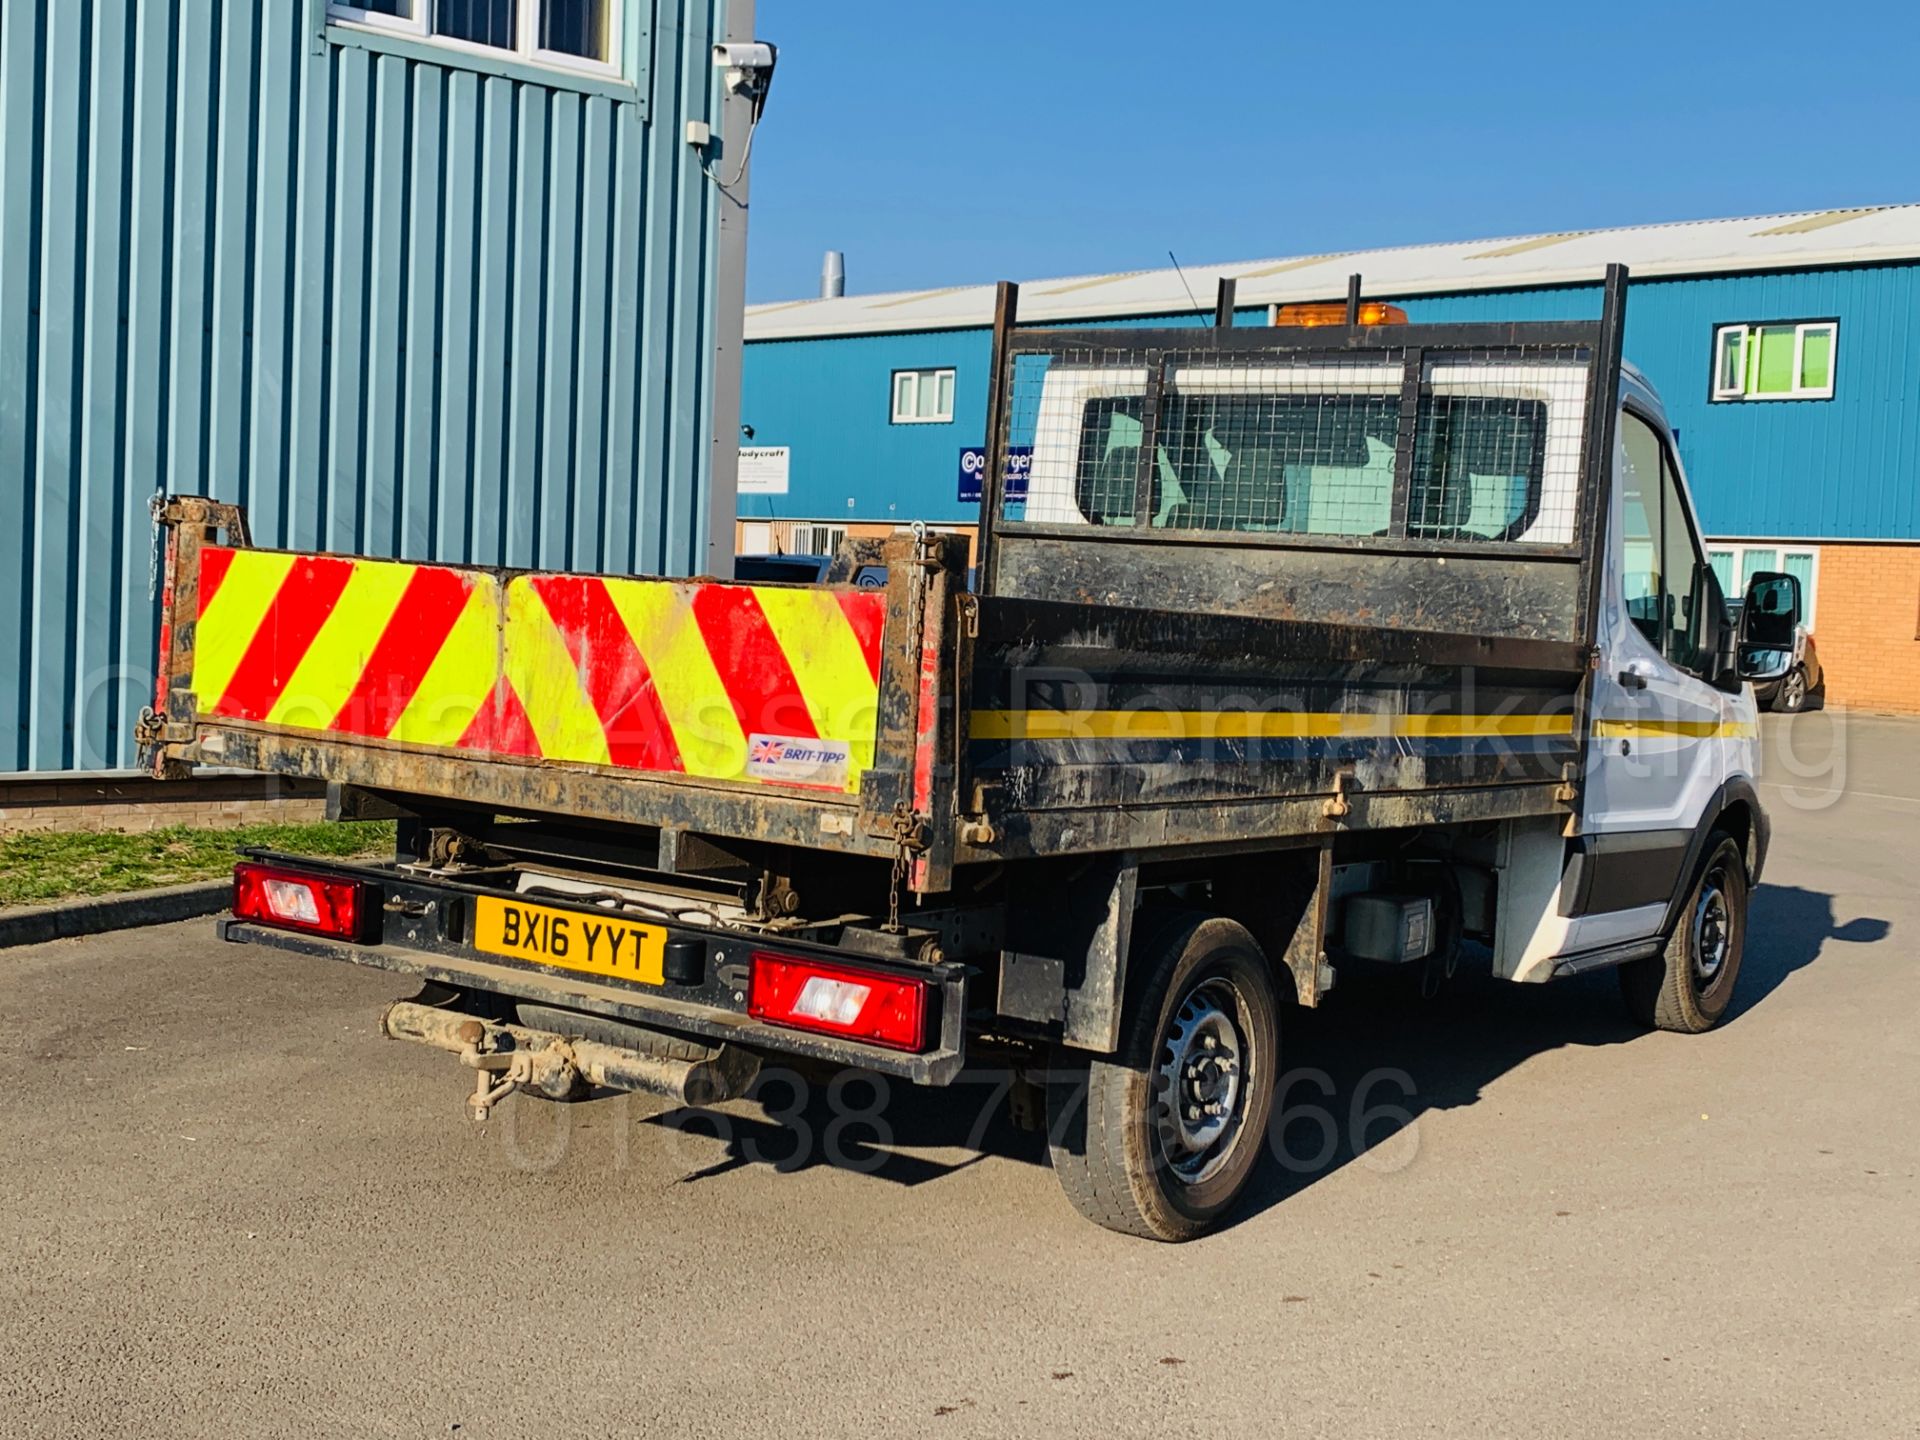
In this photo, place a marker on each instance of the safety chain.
(893, 888)
(909, 834)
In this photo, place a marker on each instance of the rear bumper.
(422, 931)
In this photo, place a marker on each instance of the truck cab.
(1669, 801)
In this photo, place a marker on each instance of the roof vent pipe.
(833, 276)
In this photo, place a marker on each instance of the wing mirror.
(1770, 615)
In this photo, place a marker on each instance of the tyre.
(1687, 987)
(1793, 691)
(1159, 1139)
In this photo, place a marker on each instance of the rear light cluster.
(289, 900)
(867, 1005)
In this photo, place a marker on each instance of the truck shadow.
(1788, 930)
(1367, 1066)
(1359, 1073)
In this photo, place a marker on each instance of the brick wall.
(137, 803)
(1867, 621)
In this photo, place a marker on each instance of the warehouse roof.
(1700, 247)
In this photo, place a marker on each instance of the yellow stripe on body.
(841, 695)
(658, 615)
(232, 619)
(541, 670)
(1481, 725)
(462, 676)
(1249, 725)
(327, 674)
(1679, 729)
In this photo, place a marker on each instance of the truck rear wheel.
(1159, 1139)
(1687, 987)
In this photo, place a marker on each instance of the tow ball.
(549, 1072)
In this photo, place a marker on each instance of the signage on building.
(973, 465)
(763, 469)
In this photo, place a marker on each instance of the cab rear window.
(1315, 464)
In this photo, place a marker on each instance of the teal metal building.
(1786, 347)
(441, 279)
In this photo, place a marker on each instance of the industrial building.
(1787, 349)
(442, 279)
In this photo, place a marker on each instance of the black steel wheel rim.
(1205, 1064)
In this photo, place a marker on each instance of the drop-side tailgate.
(762, 684)
(446, 680)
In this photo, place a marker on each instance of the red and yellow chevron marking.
(667, 676)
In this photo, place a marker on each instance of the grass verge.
(36, 869)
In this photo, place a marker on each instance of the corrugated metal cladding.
(394, 307)
(1845, 468)
(832, 402)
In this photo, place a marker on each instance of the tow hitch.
(506, 1058)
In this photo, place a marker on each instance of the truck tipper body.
(1298, 649)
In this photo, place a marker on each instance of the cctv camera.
(749, 66)
(755, 55)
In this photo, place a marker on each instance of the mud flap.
(1068, 941)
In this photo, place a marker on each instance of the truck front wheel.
(1159, 1139)
(1688, 986)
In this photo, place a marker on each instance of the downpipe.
(506, 1058)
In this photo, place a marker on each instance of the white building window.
(816, 539)
(1787, 360)
(569, 34)
(923, 397)
(1736, 564)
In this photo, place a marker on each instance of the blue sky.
(942, 144)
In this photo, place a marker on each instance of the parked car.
(810, 570)
(782, 569)
(1787, 677)
(801, 570)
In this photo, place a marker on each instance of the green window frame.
(1775, 360)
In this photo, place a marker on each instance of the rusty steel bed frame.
(926, 798)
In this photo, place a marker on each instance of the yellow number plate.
(592, 944)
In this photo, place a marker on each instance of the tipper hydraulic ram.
(1284, 656)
